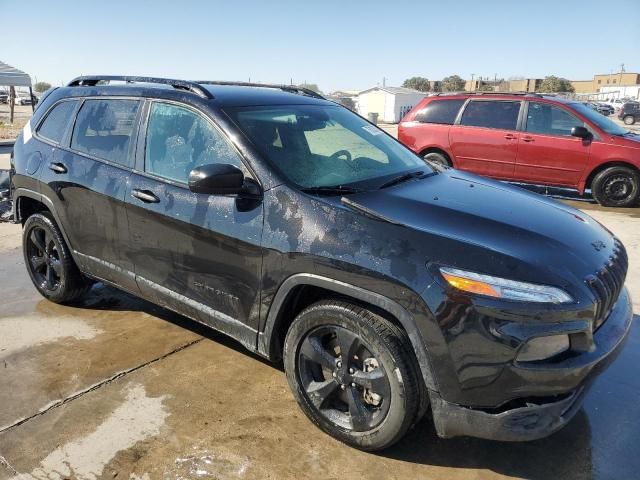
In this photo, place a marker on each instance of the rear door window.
(440, 111)
(502, 115)
(105, 128)
(546, 119)
(57, 121)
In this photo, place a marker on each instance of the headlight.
(503, 288)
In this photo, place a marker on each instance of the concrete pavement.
(119, 388)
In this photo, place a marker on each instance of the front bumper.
(533, 418)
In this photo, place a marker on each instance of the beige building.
(606, 80)
(524, 85)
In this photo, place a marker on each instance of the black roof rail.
(92, 80)
(286, 88)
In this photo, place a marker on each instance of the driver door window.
(179, 139)
(545, 119)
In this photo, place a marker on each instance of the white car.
(24, 99)
(616, 103)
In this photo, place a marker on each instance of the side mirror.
(216, 179)
(580, 132)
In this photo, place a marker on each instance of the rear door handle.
(527, 139)
(146, 196)
(57, 167)
(509, 136)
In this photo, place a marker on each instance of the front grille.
(607, 282)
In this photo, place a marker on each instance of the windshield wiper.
(403, 178)
(331, 190)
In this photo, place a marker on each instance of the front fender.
(267, 334)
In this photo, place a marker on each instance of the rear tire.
(329, 385)
(616, 187)
(49, 262)
(629, 120)
(437, 158)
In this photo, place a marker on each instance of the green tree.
(41, 87)
(436, 86)
(554, 84)
(485, 87)
(310, 86)
(452, 83)
(417, 83)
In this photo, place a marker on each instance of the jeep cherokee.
(388, 287)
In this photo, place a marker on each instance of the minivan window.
(57, 121)
(547, 119)
(440, 111)
(104, 129)
(600, 120)
(501, 115)
(179, 140)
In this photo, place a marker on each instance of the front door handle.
(146, 196)
(57, 167)
(527, 139)
(509, 136)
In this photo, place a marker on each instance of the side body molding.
(266, 336)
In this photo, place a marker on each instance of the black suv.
(387, 286)
(629, 113)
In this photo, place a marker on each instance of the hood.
(541, 233)
(632, 141)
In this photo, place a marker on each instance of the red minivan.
(528, 138)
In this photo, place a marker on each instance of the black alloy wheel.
(354, 374)
(49, 262)
(343, 379)
(44, 259)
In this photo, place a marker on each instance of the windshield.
(316, 146)
(600, 120)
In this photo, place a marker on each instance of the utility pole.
(384, 81)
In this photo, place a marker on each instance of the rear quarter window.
(440, 111)
(57, 120)
(104, 129)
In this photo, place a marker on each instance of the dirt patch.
(8, 130)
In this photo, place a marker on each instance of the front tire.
(353, 373)
(49, 262)
(629, 120)
(437, 158)
(616, 187)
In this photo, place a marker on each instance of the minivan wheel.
(49, 263)
(616, 187)
(629, 120)
(353, 373)
(437, 158)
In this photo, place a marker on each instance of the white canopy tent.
(12, 77)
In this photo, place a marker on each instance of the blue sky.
(336, 44)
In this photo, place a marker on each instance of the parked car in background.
(528, 138)
(4, 97)
(629, 113)
(388, 287)
(604, 109)
(615, 103)
(25, 99)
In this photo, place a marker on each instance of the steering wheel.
(341, 153)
